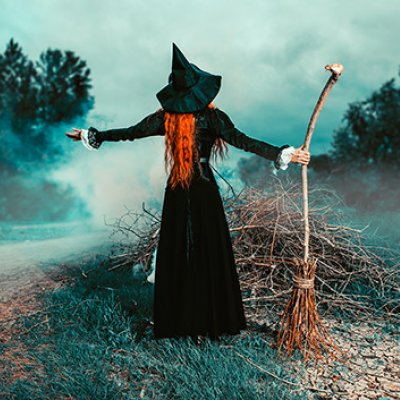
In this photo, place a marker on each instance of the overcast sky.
(271, 55)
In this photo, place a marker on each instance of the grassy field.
(92, 339)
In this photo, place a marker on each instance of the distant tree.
(35, 96)
(64, 82)
(321, 163)
(54, 89)
(371, 134)
(18, 87)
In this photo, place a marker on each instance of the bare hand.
(300, 156)
(74, 136)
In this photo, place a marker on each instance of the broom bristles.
(301, 327)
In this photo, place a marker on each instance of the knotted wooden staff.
(301, 326)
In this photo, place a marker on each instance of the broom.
(301, 326)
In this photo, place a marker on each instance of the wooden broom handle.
(336, 70)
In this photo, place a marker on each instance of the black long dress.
(197, 289)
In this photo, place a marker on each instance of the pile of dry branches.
(267, 238)
(267, 232)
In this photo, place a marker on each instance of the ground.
(368, 369)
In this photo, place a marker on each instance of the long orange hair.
(181, 152)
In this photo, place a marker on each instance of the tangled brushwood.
(353, 278)
(267, 238)
(301, 326)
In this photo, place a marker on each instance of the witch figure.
(196, 289)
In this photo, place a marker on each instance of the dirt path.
(25, 263)
(30, 267)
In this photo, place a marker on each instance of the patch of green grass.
(98, 344)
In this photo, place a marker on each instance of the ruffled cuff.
(284, 156)
(89, 139)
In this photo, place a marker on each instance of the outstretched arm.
(281, 156)
(92, 138)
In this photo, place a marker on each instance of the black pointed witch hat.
(190, 89)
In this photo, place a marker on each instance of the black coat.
(196, 288)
